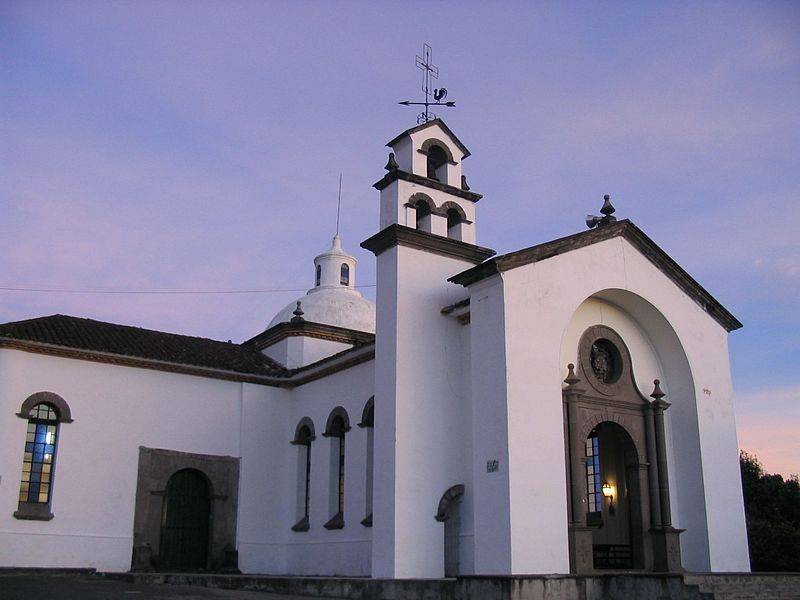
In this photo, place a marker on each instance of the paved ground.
(36, 586)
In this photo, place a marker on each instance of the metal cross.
(429, 71)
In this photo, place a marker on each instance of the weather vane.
(429, 71)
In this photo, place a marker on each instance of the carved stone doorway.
(615, 439)
(614, 498)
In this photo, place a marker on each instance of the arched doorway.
(449, 513)
(185, 521)
(616, 436)
(613, 498)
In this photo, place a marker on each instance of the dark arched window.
(344, 274)
(437, 158)
(338, 425)
(453, 221)
(367, 422)
(423, 215)
(303, 438)
(319, 275)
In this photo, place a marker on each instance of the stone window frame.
(41, 511)
(368, 423)
(337, 462)
(300, 440)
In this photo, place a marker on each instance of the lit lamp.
(608, 492)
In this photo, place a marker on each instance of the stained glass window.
(39, 456)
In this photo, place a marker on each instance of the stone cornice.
(427, 182)
(305, 328)
(400, 235)
(626, 229)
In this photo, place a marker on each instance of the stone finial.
(298, 313)
(571, 379)
(464, 185)
(391, 165)
(657, 393)
(607, 209)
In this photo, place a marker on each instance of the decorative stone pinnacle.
(298, 313)
(464, 185)
(607, 209)
(391, 165)
(657, 393)
(571, 379)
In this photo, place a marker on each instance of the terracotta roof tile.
(123, 340)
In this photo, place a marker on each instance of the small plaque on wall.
(492, 466)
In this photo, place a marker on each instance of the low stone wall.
(611, 586)
(748, 586)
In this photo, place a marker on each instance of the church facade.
(566, 408)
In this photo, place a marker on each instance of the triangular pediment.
(625, 229)
(435, 123)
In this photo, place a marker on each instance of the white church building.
(565, 408)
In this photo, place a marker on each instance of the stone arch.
(631, 315)
(431, 142)
(336, 412)
(452, 494)
(368, 414)
(415, 199)
(57, 402)
(622, 421)
(304, 422)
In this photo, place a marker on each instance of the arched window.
(344, 274)
(453, 224)
(44, 412)
(303, 437)
(437, 158)
(367, 422)
(423, 215)
(319, 275)
(338, 425)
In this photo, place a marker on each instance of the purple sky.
(180, 146)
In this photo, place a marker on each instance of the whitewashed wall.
(115, 410)
(542, 304)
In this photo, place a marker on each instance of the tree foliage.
(772, 508)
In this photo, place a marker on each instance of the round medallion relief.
(606, 361)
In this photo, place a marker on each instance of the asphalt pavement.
(72, 586)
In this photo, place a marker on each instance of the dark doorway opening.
(185, 521)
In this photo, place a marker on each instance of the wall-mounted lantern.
(608, 492)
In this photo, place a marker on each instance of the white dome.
(334, 300)
(341, 307)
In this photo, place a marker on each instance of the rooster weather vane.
(429, 71)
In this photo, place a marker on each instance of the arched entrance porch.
(615, 436)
